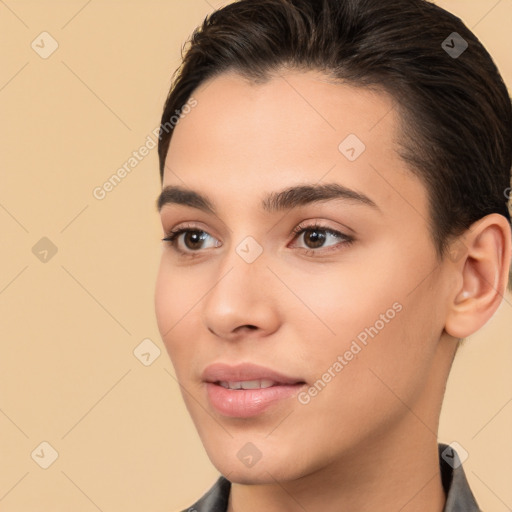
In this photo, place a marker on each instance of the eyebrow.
(287, 199)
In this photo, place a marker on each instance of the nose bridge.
(240, 274)
(237, 296)
(245, 261)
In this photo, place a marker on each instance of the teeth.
(248, 384)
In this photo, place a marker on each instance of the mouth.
(247, 390)
(249, 384)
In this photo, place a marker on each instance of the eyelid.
(315, 224)
(172, 238)
(186, 226)
(319, 226)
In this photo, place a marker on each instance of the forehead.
(289, 108)
(297, 127)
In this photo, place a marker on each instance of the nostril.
(244, 327)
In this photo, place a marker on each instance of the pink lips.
(264, 388)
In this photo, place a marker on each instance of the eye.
(188, 240)
(316, 237)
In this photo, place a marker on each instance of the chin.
(242, 462)
(260, 474)
(250, 476)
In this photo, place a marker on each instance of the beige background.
(69, 326)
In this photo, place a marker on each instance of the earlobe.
(483, 275)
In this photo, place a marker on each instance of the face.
(304, 273)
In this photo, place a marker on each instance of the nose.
(241, 302)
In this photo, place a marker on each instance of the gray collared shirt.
(459, 497)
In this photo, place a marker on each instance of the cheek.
(164, 299)
(344, 301)
(174, 307)
(388, 359)
(371, 320)
(361, 382)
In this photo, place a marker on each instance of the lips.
(220, 372)
(246, 390)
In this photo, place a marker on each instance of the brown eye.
(314, 238)
(319, 239)
(187, 241)
(194, 239)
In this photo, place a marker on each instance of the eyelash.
(172, 236)
(346, 240)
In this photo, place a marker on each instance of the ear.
(482, 262)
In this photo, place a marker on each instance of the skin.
(367, 441)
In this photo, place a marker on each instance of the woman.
(335, 218)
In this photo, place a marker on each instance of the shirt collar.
(459, 497)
